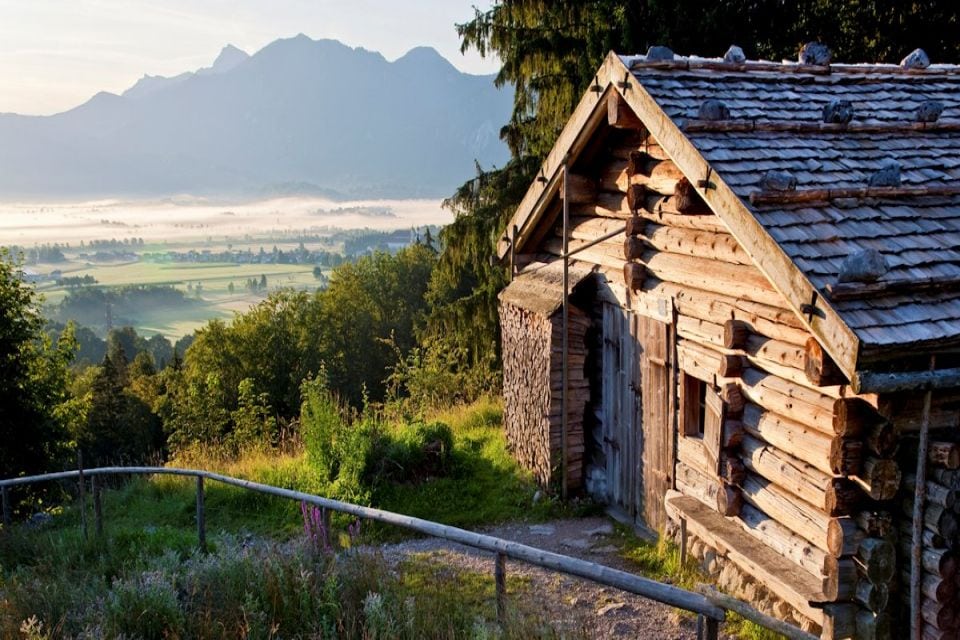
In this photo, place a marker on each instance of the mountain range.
(298, 116)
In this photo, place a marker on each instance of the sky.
(56, 54)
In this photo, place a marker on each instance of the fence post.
(201, 517)
(97, 505)
(83, 494)
(707, 628)
(7, 511)
(500, 578)
(325, 522)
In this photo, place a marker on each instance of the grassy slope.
(485, 487)
(47, 572)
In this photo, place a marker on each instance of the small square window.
(693, 396)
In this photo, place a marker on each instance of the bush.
(321, 427)
(144, 606)
(415, 452)
(360, 454)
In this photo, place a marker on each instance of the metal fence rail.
(709, 614)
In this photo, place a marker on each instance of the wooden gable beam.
(839, 341)
(590, 113)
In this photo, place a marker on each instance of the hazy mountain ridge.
(298, 115)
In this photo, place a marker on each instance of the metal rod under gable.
(564, 338)
(916, 525)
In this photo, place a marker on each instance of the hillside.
(300, 115)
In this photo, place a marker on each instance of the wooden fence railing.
(709, 606)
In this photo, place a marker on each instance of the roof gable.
(615, 76)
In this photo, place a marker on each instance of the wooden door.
(638, 403)
(657, 390)
(620, 409)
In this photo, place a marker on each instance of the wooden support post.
(919, 493)
(513, 251)
(7, 510)
(564, 329)
(500, 578)
(97, 505)
(83, 495)
(620, 115)
(683, 542)
(201, 517)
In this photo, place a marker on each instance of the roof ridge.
(694, 62)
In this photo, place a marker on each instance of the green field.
(213, 279)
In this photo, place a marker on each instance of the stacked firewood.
(578, 394)
(526, 388)
(533, 381)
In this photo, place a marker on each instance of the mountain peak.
(229, 57)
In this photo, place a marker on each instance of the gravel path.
(572, 603)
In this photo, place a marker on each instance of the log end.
(731, 366)
(634, 274)
(685, 197)
(633, 247)
(735, 334)
(636, 197)
(819, 367)
(729, 500)
(883, 479)
(733, 399)
(635, 226)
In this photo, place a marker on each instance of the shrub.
(144, 606)
(415, 452)
(356, 456)
(321, 426)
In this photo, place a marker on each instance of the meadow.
(206, 283)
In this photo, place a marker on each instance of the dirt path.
(572, 603)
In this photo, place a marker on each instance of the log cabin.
(734, 317)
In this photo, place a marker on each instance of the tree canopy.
(34, 408)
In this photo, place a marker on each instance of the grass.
(661, 561)
(486, 486)
(152, 521)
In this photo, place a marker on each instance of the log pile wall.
(940, 537)
(532, 382)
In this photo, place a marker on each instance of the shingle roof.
(774, 114)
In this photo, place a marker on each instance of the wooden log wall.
(800, 458)
(532, 382)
